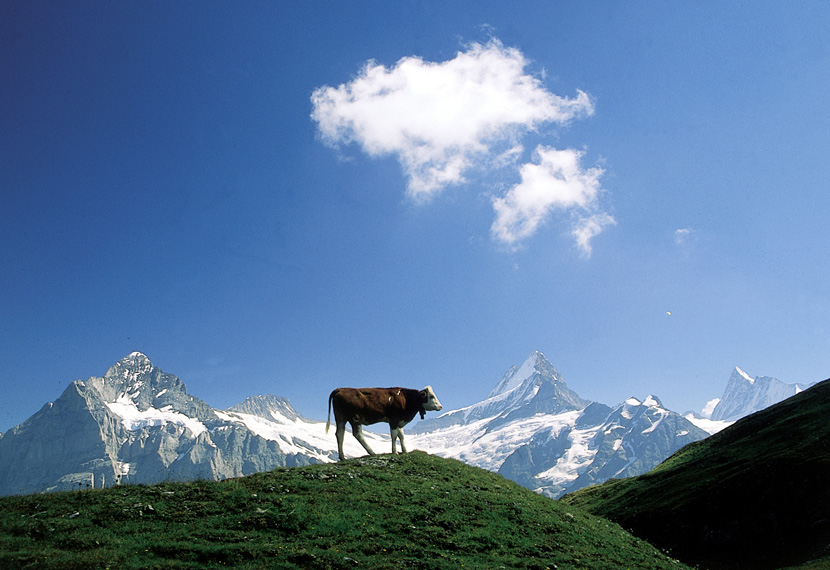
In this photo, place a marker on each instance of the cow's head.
(429, 400)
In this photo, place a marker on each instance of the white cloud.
(441, 119)
(555, 181)
(710, 407)
(683, 236)
(585, 229)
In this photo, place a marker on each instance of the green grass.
(396, 512)
(756, 495)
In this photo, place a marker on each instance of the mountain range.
(536, 431)
(138, 424)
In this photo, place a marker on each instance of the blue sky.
(290, 197)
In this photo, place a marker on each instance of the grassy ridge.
(756, 495)
(410, 511)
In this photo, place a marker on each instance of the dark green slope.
(756, 495)
(395, 512)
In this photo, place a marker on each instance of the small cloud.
(509, 156)
(683, 236)
(588, 228)
(555, 181)
(710, 407)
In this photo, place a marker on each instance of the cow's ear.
(423, 395)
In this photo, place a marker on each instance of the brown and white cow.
(366, 406)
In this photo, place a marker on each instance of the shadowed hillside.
(756, 495)
(409, 511)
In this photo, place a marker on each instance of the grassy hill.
(397, 512)
(756, 495)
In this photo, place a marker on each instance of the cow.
(365, 406)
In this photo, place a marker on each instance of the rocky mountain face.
(631, 439)
(536, 431)
(137, 424)
(746, 395)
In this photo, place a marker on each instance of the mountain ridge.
(139, 424)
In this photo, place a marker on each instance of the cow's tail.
(328, 421)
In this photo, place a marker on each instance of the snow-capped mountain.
(534, 387)
(745, 395)
(137, 424)
(536, 431)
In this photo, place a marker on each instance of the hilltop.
(756, 495)
(406, 511)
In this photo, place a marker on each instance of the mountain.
(536, 431)
(745, 395)
(268, 407)
(755, 495)
(532, 388)
(138, 424)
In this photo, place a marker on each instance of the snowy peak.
(130, 368)
(268, 407)
(517, 376)
(525, 388)
(651, 408)
(139, 395)
(745, 395)
(741, 374)
(653, 402)
(135, 378)
(534, 387)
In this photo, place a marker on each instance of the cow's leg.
(393, 431)
(400, 436)
(357, 432)
(397, 433)
(339, 433)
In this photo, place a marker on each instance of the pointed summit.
(134, 385)
(534, 387)
(745, 394)
(269, 407)
(737, 374)
(136, 379)
(130, 367)
(535, 365)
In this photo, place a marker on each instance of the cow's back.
(368, 405)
